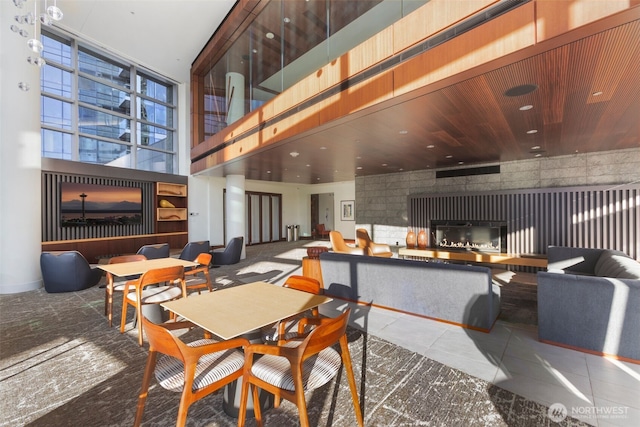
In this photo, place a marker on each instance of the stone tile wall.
(382, 199)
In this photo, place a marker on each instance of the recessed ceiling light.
(384, 164)
(532, 131)
(403, 132)
(535, 147)
(268, 171)
(294, 154)
(401, 169)
(254, 50)
(269, 35)
(358, 157)
(431, 146)
(461, 163)
(317, 179)
(359, 167)
(449, 156)
(308, 165)
(323, 148)
(286, 20)
(598, 93)
(526, 107)
(538, 155)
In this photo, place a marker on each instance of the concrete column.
(20, 159)
(235, 96)
(235, 209)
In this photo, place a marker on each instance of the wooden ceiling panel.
(469, 117)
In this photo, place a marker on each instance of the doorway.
(322, 209)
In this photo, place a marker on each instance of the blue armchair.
(192, 249)
(161, 250)
(230, 254)
(67, 271)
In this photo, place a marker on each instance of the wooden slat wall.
(51, 229)
(592, 217)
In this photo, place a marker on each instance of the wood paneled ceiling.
(587, 99)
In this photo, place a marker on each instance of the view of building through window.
(101, 110)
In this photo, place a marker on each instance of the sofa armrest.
(573, 260)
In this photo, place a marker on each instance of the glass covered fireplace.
(469, 235)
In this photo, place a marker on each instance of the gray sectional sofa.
(458, 294)
(589, 299)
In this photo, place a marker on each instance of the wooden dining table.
(135, 268)
(239, 310)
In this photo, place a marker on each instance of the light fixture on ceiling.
(286, 20)
(535, 147)
(323, 148)
(461, 163)
(403, 132)
(449, 156)
(598, 93)
(526, 107)
(520, 90)
(294, 154)
(532, 131)
(430, 146)
(384, 165)
(51, 13)
(359, 168)
(269, 35)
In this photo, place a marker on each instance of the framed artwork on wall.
(348, 210)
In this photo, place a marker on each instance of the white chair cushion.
(157, 295)
(210, 368)
(317, 370)
(118, 286)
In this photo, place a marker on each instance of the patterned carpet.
(61, 365)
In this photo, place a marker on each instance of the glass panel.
(266, 219)
(103, 96)
(56, 49)
(55, 81)
(155, 113)
(56, 145)
(55, 113)
(104, 153)
(255, 218)
(154, 161)
(102, 124)
(154, 89)
(275, 217)
(98, 66)
(157, 137)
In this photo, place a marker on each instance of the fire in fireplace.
(469, 235)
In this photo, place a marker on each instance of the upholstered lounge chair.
(160, 250)
(338, 245)
(230, 254)
(67, 271)
(192, 249)
(372, 248)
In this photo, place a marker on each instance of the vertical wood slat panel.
(597, 217)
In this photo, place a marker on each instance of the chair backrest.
(160, 250)
(65, 271)
(126, 258)
(203, 259)
(338, 244)
(362, 235)
(192, 249)
(320, 228)
(161, 275)
(235, 247)
(326, 334)
(162, 340)
(303, 283)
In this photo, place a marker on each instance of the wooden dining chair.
(198, 278)
(289, 371)
(170, 285)
(290, 328)
(194, 369)
(117, 284)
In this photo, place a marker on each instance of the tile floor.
(599, 391)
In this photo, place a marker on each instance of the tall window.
(100, 109)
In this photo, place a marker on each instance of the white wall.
(206, 208)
